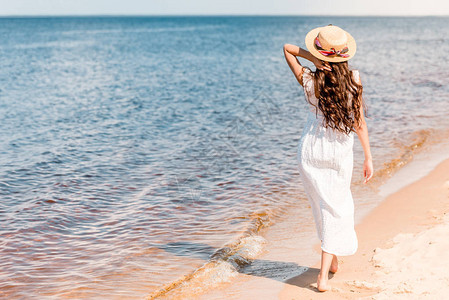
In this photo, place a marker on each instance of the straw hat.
(330, 43)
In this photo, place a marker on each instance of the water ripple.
(138, 150)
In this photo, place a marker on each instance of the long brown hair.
(336, 88)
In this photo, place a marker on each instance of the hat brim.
(310, 44)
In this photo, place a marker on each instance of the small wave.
(418, 141)
(223, 265)
(406, 154)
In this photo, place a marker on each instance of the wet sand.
(402, 248)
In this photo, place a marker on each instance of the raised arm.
(362, 133)
(290, 53)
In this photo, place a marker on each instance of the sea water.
(137, 151)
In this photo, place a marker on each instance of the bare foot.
(322, 285)
(334, 265)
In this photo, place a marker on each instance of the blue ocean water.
(133, 148)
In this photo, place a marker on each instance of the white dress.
(325, 159)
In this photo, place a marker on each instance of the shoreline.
(395, 236)
(286, 268)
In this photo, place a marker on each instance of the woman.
(325, 152)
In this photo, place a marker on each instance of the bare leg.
(334, 264)
(326, 260)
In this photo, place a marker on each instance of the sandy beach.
(402, 249)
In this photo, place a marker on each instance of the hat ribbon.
(332, 51)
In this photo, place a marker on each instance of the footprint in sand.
(362, 285)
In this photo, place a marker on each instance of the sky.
(224, 7)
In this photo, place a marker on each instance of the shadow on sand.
(286, 272)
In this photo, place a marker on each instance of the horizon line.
(207, 15)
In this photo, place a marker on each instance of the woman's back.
(335, 108)
(311, 93)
